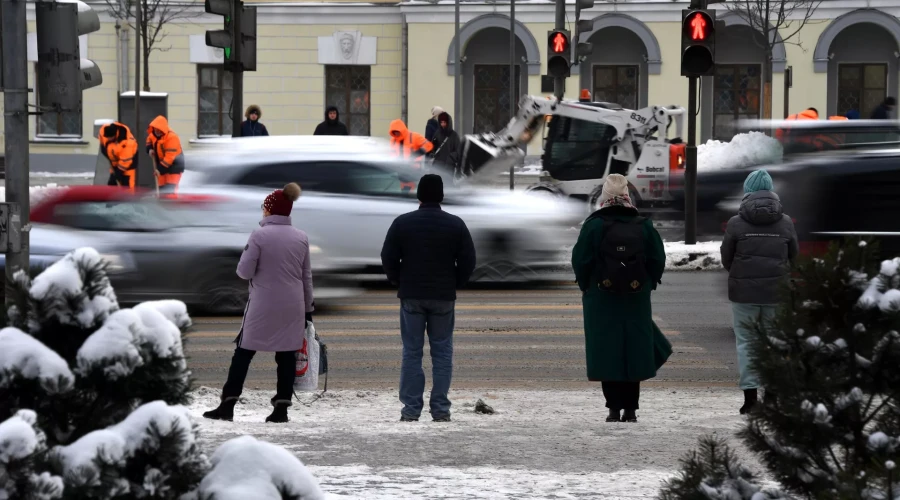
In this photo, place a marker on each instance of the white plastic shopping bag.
(306, 376)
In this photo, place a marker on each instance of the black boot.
(749, 401)
(279, 414)
(629, 416)
(225, 411)
(614, 416)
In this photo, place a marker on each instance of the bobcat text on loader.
(587, 141)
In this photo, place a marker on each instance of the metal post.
(690, 171)
(15, 121)
(513, 95)
(457, 76)
(559, 82)
(138, 42)
(788, 76)
(237, 72)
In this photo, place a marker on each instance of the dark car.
(829, 197)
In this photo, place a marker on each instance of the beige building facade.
(380, 61)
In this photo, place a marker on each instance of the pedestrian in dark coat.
(759, 245)
(277, 265)
(332, 124)
(251, 127)
(431, 127)
(884, 110)
(622, 343)
(447, 147)
(429, 254)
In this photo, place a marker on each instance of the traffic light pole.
(15, 122)
(237, 73)
(559, 82)
(690, 170)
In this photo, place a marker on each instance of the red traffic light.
(698, 26)
(559, 42)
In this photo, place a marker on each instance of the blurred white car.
(353, 190)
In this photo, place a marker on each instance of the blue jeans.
(748, 313)
(437, 317)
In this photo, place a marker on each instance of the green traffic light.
(227, 53)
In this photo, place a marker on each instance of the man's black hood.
(762, 208)
(337, 114)
(445, 117)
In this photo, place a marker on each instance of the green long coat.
(622, 342)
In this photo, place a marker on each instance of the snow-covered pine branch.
(22, 446)
(247, 468)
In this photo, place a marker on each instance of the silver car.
(161, 250)
(353, 189)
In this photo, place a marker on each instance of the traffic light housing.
(225, 38)
(582, 26)
(559, 53)
(62, 73)
(698, 42)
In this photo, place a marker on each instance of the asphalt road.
(504, 339)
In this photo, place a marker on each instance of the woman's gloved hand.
(309, 317)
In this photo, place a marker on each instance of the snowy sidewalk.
(540, 444)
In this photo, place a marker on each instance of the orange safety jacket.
(782, 133)
(408, 145)
(830, 141)
(106, 141)
(169, 155)
(122, 156)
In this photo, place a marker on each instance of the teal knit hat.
(759, 180)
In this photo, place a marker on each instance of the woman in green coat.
(622, 343)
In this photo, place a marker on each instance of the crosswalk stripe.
(385, 333)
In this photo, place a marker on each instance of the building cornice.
(443, 11)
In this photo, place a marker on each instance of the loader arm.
(632, 129)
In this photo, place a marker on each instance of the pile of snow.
(247, 468)
(700, 257)
(37, 194)
(744, 150)
(121, 441)
(63, 281)
(29, 358)
(20, 439)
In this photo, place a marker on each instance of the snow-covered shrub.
(91, 399)
(247, 468)
(829, 426)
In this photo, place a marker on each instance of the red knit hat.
(281, 201)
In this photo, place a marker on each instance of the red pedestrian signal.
(698, 24)
(559, 54)
(698, 42)
(559, 42)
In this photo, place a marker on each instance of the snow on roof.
(63, 279)
(247, 468)
(27, 357)
(115, 347)
(130, 93)
(122, 440)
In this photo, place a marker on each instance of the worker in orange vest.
(107, 136)
(830, 141)
(782, 134)
(409, 146)
(164, 148)
(122, 150)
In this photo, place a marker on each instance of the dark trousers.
(437, 318)
(240, 364)
(621, 395)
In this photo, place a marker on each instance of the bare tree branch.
(155, 15)
(775, 17)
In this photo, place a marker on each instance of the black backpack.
(622, 256)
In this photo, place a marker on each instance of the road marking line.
(326, 334)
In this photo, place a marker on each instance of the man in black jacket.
(429, 254)
(332, 124)
(446, 142)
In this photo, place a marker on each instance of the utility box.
(153, 104)
(101, 169)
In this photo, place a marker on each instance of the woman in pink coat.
(276, 262)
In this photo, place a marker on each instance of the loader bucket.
(484, 161)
